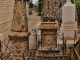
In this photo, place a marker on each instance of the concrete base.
(69, 29)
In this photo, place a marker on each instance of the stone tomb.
(19, 35)
(48, 40)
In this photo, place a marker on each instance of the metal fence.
(7, 51)
(74, 54)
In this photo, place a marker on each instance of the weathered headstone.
(19, 35)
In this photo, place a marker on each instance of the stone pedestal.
(48, 46)
(20, 44)
(70, 31)
(48, 34)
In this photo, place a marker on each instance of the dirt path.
(32, 21)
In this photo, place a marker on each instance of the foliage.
(39, 6)
(72, 1)
(30, 4)
(40, 0)
(36, 5)
(77, 2)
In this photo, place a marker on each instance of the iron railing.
(7, 51)
(74, 54)
(6, 25)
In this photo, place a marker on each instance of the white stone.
(69, 25)
(68, 12)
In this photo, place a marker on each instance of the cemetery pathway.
(32, 21)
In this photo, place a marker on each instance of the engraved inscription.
(48, 39)
(18, 48)
(18, 18)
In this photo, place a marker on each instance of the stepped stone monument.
(69, 25)
(19, 35)
(48, 27)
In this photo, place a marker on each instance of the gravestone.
(19, 35)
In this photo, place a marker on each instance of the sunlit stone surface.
(69, 25)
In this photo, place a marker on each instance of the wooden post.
(74, 36)
(63, 43)
(0, 45)
(23, 57)
(65, 47)
(79, 49)
(0, 51)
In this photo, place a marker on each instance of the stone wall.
(6, 14)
